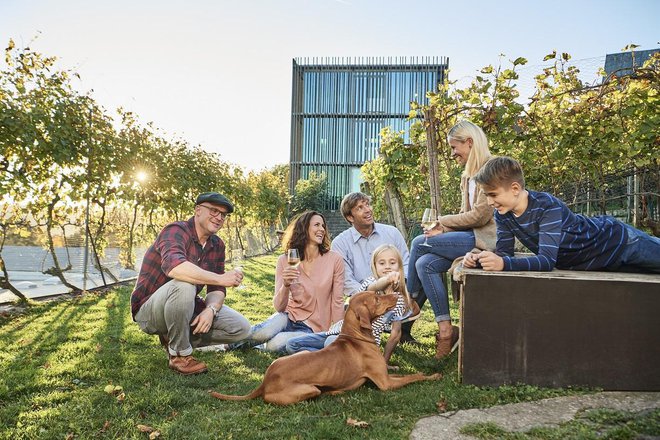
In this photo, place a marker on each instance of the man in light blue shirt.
(357, 243)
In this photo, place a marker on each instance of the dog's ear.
(364, 316)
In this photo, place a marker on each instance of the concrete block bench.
(560, 328)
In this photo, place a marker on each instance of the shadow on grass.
(30, 354)
(92, 342)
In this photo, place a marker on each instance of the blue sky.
(218, 73)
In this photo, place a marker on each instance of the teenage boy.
(558, 237)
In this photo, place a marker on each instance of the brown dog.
(343, 365)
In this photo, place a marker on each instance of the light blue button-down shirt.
(357, 249)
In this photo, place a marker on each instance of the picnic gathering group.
(309, 296)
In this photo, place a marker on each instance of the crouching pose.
(185, 257)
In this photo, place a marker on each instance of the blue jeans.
(307, 342)
(427, 267)
(274, 333)
(641, 254)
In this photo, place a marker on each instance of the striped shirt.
(558, 237)
(380, 323)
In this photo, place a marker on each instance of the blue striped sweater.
(558, 237)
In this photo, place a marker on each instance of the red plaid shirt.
(176, 243)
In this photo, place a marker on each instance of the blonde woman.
(454, 235)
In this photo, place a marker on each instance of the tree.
(568, 133)
(309, 193)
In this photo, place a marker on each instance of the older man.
(357, 243)
(185, 257)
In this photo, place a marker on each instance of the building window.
(340, 105)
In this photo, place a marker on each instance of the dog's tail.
(259, 392)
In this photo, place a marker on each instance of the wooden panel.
(561, 329)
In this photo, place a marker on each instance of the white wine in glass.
(429, 220)
(237, 259)
(293, 258)
(237, 262)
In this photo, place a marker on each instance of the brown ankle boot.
(444, 346)
(187, 365)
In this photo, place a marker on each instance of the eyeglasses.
(215, 212)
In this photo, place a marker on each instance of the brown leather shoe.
(187, 365)
(444, 346)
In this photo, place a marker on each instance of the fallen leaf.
(121, 397)
(356, 423)
(154, 435)
(98, 348)
(171, 416)
(441, 405)
(113, 389)
(144, 428)
(106, 425)
(70, 436)
(46, 365)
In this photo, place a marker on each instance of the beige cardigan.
(477, 216)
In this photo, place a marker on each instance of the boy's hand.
(490, 261)
(470, 260)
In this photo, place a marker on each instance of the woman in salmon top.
(309, 295)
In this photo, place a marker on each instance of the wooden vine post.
(432, 153)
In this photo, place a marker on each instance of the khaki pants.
(169, 311)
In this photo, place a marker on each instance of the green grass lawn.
(58, 357)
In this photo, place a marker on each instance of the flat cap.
(216, 199)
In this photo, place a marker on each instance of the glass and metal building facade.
(339, 106)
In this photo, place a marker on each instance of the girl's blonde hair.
(479, 154)
(402, 275)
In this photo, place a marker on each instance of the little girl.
(387, 265)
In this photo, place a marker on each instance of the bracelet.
(215, 311)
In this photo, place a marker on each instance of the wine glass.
(293, 258)
(429, 220)
(237, 262)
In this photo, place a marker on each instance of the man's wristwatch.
(215, 310)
